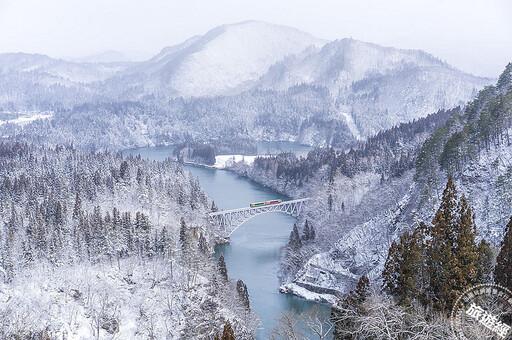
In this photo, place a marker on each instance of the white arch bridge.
(230, 220)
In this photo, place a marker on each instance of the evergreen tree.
(485, 263)
(505, 79)
(78, 206)
(503, 268)
(221, 265)
(441, 261)
(362, 290)
(124, 171)
(294, 241)
(243, 293)
(183, 235)
(139, 176)
(308, 232)
(228, 333)
(402, 270)
(344, 315)
(203, 244)
(466, 250)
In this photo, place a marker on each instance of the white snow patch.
(225, 161)
(307, 294)
(351, 125)
(27, 117)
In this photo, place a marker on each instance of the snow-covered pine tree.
(503, 268)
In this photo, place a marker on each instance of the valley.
(110, 169)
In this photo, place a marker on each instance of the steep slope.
(376, 87)
(473, 146)
(251, 79)
(223, 60)
(369, 195)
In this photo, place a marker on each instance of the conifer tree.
(343, 315)
(505, 79)
(402, 270)
(243, 293)
(139, 176)
(306, 234)
(361, 292)
(294, 241)
(221, 265)
(441, 261)
(228, 333)
(503, 268)
(466, 250)
(309, 232)
(485, 263)
(78, 206)
(203, 244)
(124, 171)
(183, 235)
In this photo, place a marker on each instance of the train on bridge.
(262, 204)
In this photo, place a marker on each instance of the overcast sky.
(475, 36)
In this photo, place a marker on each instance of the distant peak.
(104, 57)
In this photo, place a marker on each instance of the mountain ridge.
(370, 87)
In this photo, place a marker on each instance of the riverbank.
(254, 251)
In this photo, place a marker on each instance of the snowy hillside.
(376, 87)
(224, 59)
(97, 246)
(250, 80)
(365, 210)
(340, 63)
(367, 196)
(104, 57)
(41, 68)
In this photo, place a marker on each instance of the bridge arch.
(231, 220)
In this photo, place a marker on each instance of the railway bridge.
(231, 220)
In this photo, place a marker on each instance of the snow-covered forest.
(97, 246)
(371, 193)
(412, 158)
(312, 91)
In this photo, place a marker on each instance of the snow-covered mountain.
(257, 72)
(359, 211)
(376, 87)
(340, 63)
(225, 59)
(104, 57)
(39, 68)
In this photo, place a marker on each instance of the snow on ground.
(225, 161)
(295, 289)
(140, 299)
(351, 125)
(27, 117)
